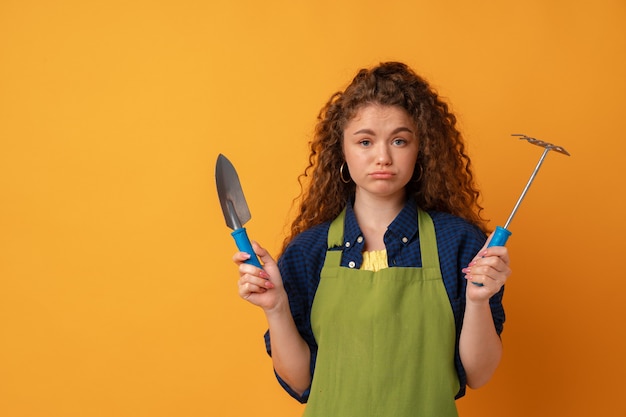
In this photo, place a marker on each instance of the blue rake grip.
(499, 239)
(244, 245)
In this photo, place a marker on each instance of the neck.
(376, 213)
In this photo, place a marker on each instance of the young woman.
(369, 308)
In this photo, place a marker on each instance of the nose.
(384, 155)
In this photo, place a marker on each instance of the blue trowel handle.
(499, 237)
(244, 245)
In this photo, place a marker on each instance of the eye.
(365, 142)
(399, 141)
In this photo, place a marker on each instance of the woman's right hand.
(261, 287)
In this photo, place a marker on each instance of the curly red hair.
(442, 178)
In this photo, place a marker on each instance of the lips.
(382, 175)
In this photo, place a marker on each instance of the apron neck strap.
(428, 240)
(335, 233)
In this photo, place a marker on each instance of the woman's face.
(380, 146)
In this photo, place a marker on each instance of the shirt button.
(351, 264)
(360, 239)
(347, 244)
(405, 239)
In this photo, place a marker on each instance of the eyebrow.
(371, 132)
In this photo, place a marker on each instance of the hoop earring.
(341, 176)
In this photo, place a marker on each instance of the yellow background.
(117, 294)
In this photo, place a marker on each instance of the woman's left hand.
(490, 268)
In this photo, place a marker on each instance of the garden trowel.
(234, 206)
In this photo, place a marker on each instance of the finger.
(249, 269)
(490, 267)
(496, 252)
(240, 257)
(493, 267)
(253, 285)
(487, 275)
(482, 275)
(255, 275)
(476, 283)
(496, 258)
(262, 253)
(246, 290)
(257, 281)
(484, 285)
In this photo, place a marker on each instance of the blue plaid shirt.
(457, 241)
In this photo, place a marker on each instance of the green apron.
(386, 339)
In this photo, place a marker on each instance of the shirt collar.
(403, 227)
